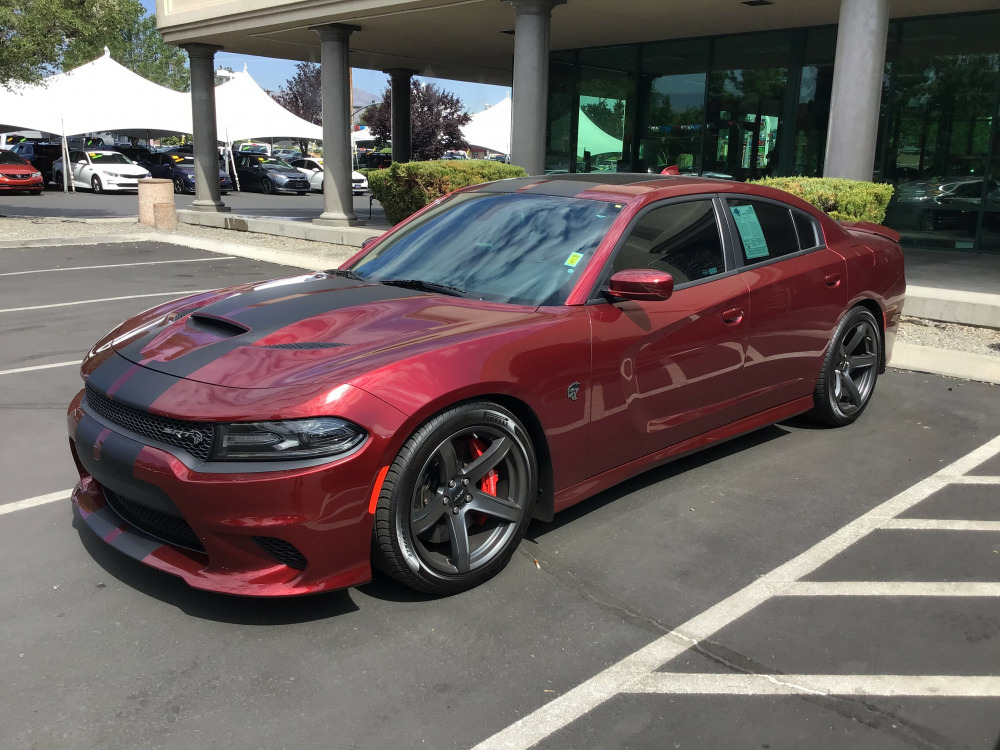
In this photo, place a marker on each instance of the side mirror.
(641, 285)
(82, 161)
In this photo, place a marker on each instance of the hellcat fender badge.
(573, 389)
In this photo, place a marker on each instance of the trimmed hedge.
(403, 189)
(843, 200)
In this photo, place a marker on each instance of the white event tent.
(490, 129)
(244, 110)
(97, 96)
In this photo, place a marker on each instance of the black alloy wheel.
(850, 370)
(95, 184)
(456, 502)
(266, 187)
(178, 186)
(57, 178)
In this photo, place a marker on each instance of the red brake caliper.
(489, 483)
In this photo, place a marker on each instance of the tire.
(266, 187)
(927, 221)
(36, 192)
(302, 192)
(95, 184)
(475, 450)
(178, 186)
(850, 370)
(58, 179)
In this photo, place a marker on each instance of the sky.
(271, 73)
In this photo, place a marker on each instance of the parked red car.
(503, 354)
(18, 174)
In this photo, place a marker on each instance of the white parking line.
(32, 502)
(818, 684)
(106, 299)
(891, 588)
(39, 367)
(628, 673)
(977, 480)
(934, 524)
(118, 265)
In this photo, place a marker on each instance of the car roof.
(627, 187)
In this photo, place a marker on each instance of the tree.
(37, 35)
(302, 94)
(436, 120)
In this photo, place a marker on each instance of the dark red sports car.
(510, 350)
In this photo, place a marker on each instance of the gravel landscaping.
(950, 336)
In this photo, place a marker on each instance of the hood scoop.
(304, 345)
(216, 324)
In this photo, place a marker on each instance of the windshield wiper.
(425, 286)
(345, 272)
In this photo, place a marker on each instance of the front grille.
(194, 437)
(168, 528)
(282, 551)
(17, 176)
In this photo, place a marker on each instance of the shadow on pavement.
(537, 530)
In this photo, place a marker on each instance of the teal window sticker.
(754, 244)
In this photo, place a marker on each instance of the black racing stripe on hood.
(110, 371)
(143, 388)
(268, 310)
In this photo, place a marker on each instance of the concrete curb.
(301, 230)
(953, 306)
(97, 239)
(312, 261)
(947, 362)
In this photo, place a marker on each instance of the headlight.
(36, 174)
(111, 174)
(278, 176)
(289, 439)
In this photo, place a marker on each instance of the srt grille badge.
(573, 389)
(189, 435)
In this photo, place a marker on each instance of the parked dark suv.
(40, 155)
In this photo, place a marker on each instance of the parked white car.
(100, 171)
(313, 169)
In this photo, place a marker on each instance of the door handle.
(732, 317)
(833, 280)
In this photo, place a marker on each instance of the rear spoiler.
(867, 227)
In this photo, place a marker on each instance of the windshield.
(523, 249)
(272, 163)
(115, 158)
(6, 157)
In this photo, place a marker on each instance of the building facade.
(906, 91)
(747, 106)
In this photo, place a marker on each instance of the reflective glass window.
(765, 230)
(681, 239)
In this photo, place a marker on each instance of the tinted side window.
(765, 229)
(681, 239)
(806, 227)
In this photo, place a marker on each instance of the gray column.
(402, 138)
(335, 72)
(857, 89)
(531, 82)
(206, 137)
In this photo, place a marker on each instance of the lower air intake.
(282, 551)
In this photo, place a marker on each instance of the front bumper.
(252, 533)
(16, 183)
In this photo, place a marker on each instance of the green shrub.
(403, 189)
(844, 200)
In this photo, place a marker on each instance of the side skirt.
(572, 495)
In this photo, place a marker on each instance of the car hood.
(304, 330)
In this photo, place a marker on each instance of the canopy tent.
(97, 96)
(490, 129)
(591, 138)
(243, 110)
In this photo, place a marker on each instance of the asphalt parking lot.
(796, 587)
(85, 205)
